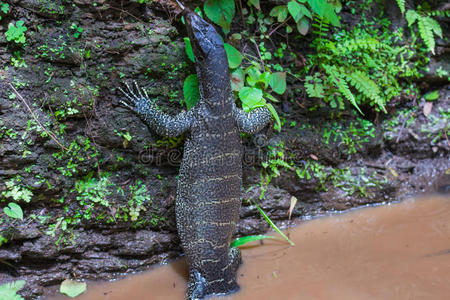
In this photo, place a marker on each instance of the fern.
(314, 87)
(338, 79)
(401, 5)
(427, 27)
(367, 87)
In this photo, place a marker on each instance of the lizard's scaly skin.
(210, 179)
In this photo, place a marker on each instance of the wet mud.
(397, 251)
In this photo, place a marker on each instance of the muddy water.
(399, 251)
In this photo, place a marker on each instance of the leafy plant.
(4, 8)
(302, 12)
(13, 210)
(250, 238)
(220, 12)
(428, 27)
(16, 191)
(357, 67)
(8, 291)
(16, 33)
(401, 5)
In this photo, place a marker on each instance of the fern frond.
(411, 17)
(401, 5)
(367, 87)
(426, 32)
(314, 88)
(435, 26)
(341, 84)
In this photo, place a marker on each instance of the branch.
(34, 116)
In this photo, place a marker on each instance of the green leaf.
(188, 49)
(72, 288)
(237, 79)
(253, 75)
(272, 224)
(367, 87)
(8, 291)
(341, 84)
(251, 98)
(220, 12)
(275, 115)
(401, 5)
(13, 210)
(233, 55)
(251, 238)
(277, 82)
(190, 91)
(297, 10)
(303, 26)
(314, 89)
(4, 7)
(411, 17)
(325, 10)
(431, 96)
(280, 11)
(426, 33)
(255, 3)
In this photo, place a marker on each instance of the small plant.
(357, 67)
(8, 291)
(16, 191)
(428, 27)
(16, 33)
(13, 210)
(4, 9)
(78, 30)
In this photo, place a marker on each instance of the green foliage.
(72, 288)
(4, 8)
(431, 96)
(8, 291)
(14, 211)
(250, 238)
(302, 12)
(272, 224)
(357, 67)
(401, 5)
(78, 30)
(16, 33)
(190, 91)
(17, 191)
(233, 55)
(220, 12)
(188, 49)
(428, 27)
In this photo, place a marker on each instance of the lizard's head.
(210, 57)
(205, 41)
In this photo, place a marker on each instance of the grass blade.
(273, 225)
(251, 238)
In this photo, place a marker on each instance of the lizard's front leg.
(253, 121)
(161, 123)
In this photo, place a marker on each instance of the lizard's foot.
(235, 259)
(197, 286)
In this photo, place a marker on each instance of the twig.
(279, 25)
(403, 127)
(123, 11)
(35, 118)
(259, 53)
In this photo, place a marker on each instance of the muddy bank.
(386, 252)
(128, 174)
